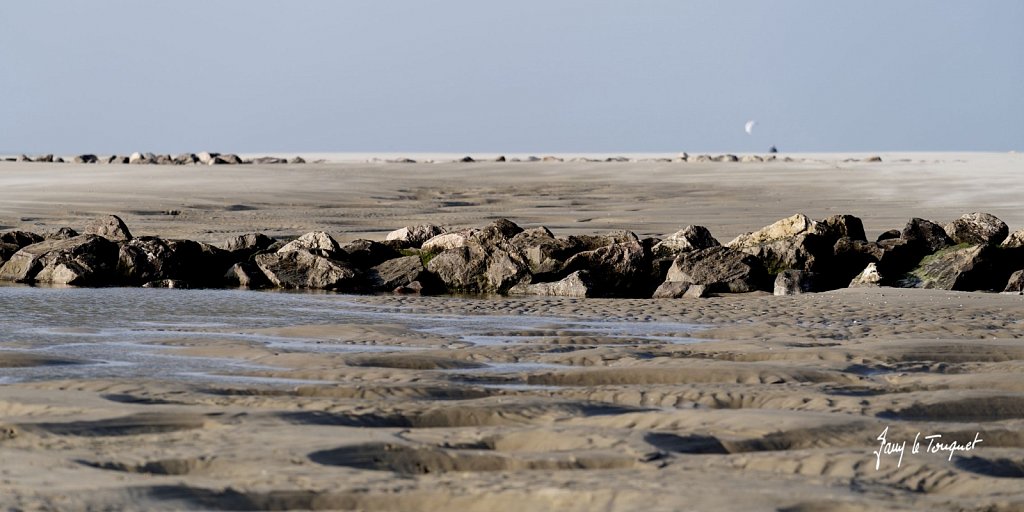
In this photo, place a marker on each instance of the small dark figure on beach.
(773, 149)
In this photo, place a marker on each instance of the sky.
(540, 76)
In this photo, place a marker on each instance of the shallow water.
(117, 331)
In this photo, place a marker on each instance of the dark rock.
(894, 257)
(680, 290)
(888, 235)
(186, 159)
(580, 243)
(301, 268)
(545, 253)
(925, 237)
(977, 229)
(721, 269)
(111, 227)
(83, 260)
(86, 159)
(576, 284)
(298, 160)
(414, 236)
(20, 238)
(246, 275)
(146, 259)
(617, 270)
(24, 158)
(242, 247)
(467, 159)
(368, 253)
(44, 158)
(399, 273)
(269, 160)
(500, 159)
(960, 268)
(228, 158)
(413, 288)
(62, 234)
(794, 282)
(839, 226)
(1015, 284)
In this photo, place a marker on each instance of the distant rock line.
(794, 255)
(206, 158)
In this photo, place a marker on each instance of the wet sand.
(773, 403)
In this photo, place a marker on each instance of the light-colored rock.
(415, 235)
(721, 269)
(576, 284)
(303, 269)
(798, 224)
(1015, 284)
(1015, 240)
(317, 242)
(110, 226)
(680, 290)
(868, 278)
(446, 241)
(690, 238)
(977, 229)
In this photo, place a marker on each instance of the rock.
(1015, 240)
(145, 259)
(443, 242)
(720, 269)
(867, 278)
(226, 159)
(960, 268)
(242, 247)
(545, 253)
(140, 158)
(316, 242)
(488, 263)
(893, 257)
(246, 275)
(794, 282)
(796, 242)
(413, 288)
(44, 158)
(269, 160)
(86, 159)
(415, 235)
(83, 260)
(301, 268)
(888, 235)
(579, 243)
(690, 238)
(977, 229)
(62, 234)
(500, 158)
(297, 160)
(166, 283)
(368, 253)
(839, 226)
(111, 227)
(467, 159)
(206, 158)
(617, 270)
(576, 284)
(24, 158)
(680, 290)
(790, 227)
(873, 159)
(1015, 284)
(186, 159)
(400, 273)
(20, 238)
(925, 236)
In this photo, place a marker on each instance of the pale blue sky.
(524, 76)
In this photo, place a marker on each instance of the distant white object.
(749, 127)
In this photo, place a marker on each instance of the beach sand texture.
(775, 405)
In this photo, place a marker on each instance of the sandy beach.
(739, 402)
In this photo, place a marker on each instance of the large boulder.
(720, 269)
(488, 263)
(795, 242)
(620, 269)
(848, 226)
(316, 242)
(12, 241)
(301, 268)
(86, 260)
(146, 259)
(925, 237)
(110, 226)
(960, 268)
(414, 236)
(545, 253)
(399, 273)
(242, 247)
(893, 257)
(690, 238)
(368, 253)
(1015, 284)
(246, 275)
(977, 229)
(578, 284)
